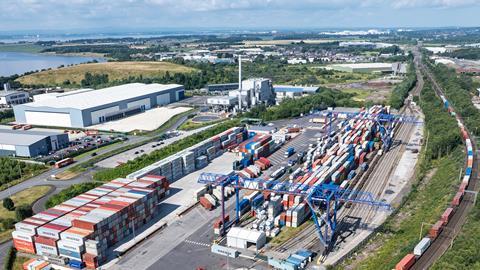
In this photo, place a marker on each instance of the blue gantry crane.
(324, 198)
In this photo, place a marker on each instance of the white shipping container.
(421, 246)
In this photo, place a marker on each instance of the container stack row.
(81, 229)
(195, 157)
(434, 231)
(335, 159)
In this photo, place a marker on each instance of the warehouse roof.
(245, 234)
(89, 99)
(291, 88)
(7, 93)
(365, 65)
(22, 137)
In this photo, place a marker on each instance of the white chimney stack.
(240, 82)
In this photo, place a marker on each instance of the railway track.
(374, 183)
(445, 239)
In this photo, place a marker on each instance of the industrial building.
(290, 91)
(23, 143)
(244, 238)
(368, 67)
(88, 107)
(222, 87)
(10, 98)
(252, 91)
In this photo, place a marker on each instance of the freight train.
(409, 260)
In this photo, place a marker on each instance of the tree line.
(148, 159)
(295, 107)
(11, 169)
(401, 90)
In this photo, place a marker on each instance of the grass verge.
(27, 196)
(190, 125)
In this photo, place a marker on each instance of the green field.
(114, 70)
(359, 94)
(27, 196)
(24, 47)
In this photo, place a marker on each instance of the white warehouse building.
(88, 107)
(244, 238)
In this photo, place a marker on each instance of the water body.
(19, 62)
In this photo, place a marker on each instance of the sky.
(81, 15)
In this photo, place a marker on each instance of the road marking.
(197, 243)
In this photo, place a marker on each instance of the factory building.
(224, 102)
(88, 107)
(23, 143)
(10, 98)
(254, 91)
(222, 87)
(369, 67)
(290, 91)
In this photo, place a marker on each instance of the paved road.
(58, 185)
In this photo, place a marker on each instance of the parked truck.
(289, 152)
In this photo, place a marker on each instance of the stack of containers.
(177, 168)
(258, 146)
(201, 162)
(103, 215)
(188, 162)
(211, 153)
(166, 169)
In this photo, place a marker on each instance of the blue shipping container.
(244, 204)
(294, 261)
(468, 171)
(69, 253)
(75, 264)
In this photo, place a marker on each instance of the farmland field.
(114, 70)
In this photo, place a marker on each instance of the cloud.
(68, 14)
(434, 3)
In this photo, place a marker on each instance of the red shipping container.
(24, 246)
(206, 203)
(462, 187)
(435, 229)
(446, 215)
(45, 241)
(265, 161)
(362, 158)
(82, 224)
(457, 199)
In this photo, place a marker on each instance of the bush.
(23, 211)
(8, 204)
(70, 192)
(7, 223)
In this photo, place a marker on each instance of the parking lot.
(124, 157)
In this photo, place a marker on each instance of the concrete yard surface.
(148, 120)
(177, 230)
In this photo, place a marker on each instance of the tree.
(23, 211)
(8, 204)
